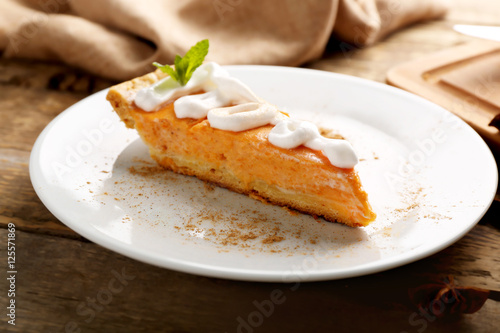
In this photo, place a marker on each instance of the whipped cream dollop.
(230, 105)
(291, 133)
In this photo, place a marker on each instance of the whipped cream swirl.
(291, 133)
(245, 111)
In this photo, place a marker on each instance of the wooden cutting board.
(464, 80)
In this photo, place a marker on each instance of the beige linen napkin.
(119, 39)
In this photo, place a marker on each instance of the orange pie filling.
(254, 165)
(246, 161)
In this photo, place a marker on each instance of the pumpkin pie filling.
(244, 161)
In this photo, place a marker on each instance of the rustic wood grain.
(20, 204)
(56, 283)
(58, 270)
(31, 95)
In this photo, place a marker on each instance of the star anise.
(495, 122)
(445, 298)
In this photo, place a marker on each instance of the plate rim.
(243, 274)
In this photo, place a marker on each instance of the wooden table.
(63, 280)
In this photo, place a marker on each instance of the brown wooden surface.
(463, 79)
(60, 273)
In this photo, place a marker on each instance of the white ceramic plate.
(429, 177)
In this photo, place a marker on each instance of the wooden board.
(464, 80)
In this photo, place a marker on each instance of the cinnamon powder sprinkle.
(205, 219)
(273, 239)
(234, 229)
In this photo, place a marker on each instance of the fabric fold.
(119, 39)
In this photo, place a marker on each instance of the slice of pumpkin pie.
(214, 127)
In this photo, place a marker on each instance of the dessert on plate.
(198, 120)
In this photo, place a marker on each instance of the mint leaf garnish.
(185, 66)
(167, 69)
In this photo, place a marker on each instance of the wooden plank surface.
(81, 284)
(66, 283)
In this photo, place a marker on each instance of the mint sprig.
(185, 66)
